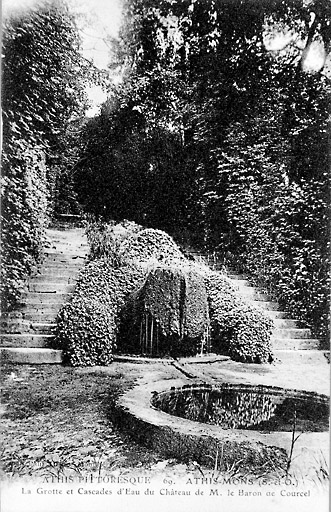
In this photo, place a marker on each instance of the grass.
(57, 423)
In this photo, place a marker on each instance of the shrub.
(105, 238)
(86, 332)
(237, 329)
(87, 325)
(150, 245)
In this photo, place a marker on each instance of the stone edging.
(175, 437)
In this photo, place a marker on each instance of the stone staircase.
(290, 338)
(27, 332)
(291, 341)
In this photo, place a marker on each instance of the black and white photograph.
(165, 255)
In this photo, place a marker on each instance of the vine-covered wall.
(24, 218)
(43, 83)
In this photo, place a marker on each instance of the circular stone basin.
(262, 408)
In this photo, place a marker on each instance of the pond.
(261, 408)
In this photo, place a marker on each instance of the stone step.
(63, 258)
(241, 283)
(43, 327)
(309, 357)
(281, 323)
(252, 294)
(66, 217)
(28, 355)
(246, 292)
(40, 316)
(47, 310)
(26, 340)
(41, 307)
(51, 287)
(58, 241)
(62, 246)
(49, 265)
(58, 271)
(25, 326)
(287, 334)
(28, 331)
(45, 298)
(294, 333)
(267, 305)
(30, 315)
(52, 265)
(61, 236)
(294, 344)
(58, 277)
(275, 314)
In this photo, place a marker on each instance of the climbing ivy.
(277, 201)
(43, 76)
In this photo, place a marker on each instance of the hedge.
(87, 325)
(237, 328)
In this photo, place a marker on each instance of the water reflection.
(233, 407)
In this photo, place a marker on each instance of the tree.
(232, 136)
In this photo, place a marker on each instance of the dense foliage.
(43, 76)
(168, 315)
(140, 295)
(237, 328)
(150, 246)
(219, 131)
(278, 204)
(105, 238)
(87, 325)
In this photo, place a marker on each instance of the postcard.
(165, 256)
